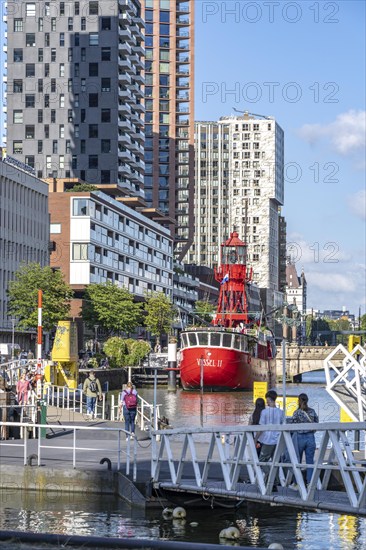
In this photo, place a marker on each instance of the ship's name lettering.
(209, 362)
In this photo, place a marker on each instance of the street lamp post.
(96, 336)
(13, 321)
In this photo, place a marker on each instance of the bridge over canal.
(301, 359)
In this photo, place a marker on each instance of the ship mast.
(233, 276)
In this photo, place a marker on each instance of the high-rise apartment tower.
(169, 117)
(75, 90)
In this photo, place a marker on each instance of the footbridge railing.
(211, 462)
(346, 383)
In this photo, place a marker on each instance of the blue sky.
(303, 63)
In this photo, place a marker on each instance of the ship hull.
(223, 369)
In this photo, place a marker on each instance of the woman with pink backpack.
(128, 402)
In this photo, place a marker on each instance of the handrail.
(24, 426)
(145, 420)
(234, 449)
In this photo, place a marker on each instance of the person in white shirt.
(269, 416)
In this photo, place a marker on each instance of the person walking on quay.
(268, 439)
(129, 404)
(305, 438)
(254, 418)
(93, 390)
(23, 388)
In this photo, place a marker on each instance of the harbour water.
(110, 517)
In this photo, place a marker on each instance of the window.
(46, 70)
(30, 39)
(77, 39)
(29, 159)
(106, 84)
(55, 228)
(62, 8)
(82, 146)
(53, 85)
(40, 24)
(82, 115)
(70, 116)
(30, 9)
(105, 176)
(165, 16)
(40, 55)
(53, 24)
(164, 30)
(62, 69)
(53, 116)
(106, 146)
(70, 24)
(18, 117)
(80, 207)
(83, 54)
(61, 162)
(106, 115)
(18, 55)
(62, 39)
(40, 116)
(29, 131)
(67, 146)
(83, 84)
(93, 8)
(61, 131)
(93, 39)
(93, 100)
(93, 130)
(40, 146)
(76, 70)
(46, 131)
(76, 100)
(54, 146)
(164, 67)
(106, 24)
(106, 54)
(53, 55)
(30, 100)
(76, 130)
(83, 24)
(69, 54)
(17, 147)
(46, 100)
(47, 39)
(93, 69)
(40, 85)
(18, 86)
(80, 251)
(93, 161)
(48, 162)
(77, 8)
(30, 70)
(74, 162)
(18, 25)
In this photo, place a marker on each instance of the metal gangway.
(346, 384)
(224, 464)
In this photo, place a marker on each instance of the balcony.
(124, 78)
(125, 64)
(125, 95)
(124, 47)
(185, 47)
(126, 5)
(182, 34)
(183, 21)
(182, 59)
(183, 96)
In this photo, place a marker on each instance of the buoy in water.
(230, 533)
(167, 513)
(179, 513)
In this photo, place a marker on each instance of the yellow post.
(259, 390)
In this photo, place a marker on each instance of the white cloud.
(357, 204)
(346, 133)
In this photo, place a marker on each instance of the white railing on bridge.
(347, 383)
(234, 451)
(46, 451)
(145, 413)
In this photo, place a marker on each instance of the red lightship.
(235, 351)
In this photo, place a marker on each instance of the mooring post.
(172, 366)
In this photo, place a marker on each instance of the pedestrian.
(128, 402)
(305, 438)
(23, 388)
(30, 355)
(93, 390)
(268, 439)
(254, 418)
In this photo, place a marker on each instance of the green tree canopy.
(123, 352)
(205, 310)
(160, 314)
(23, 296)
(111, 307)
(363, 322)
(82, 187)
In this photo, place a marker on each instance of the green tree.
(160, 314)
(116, 349)
(23, 296)
(205, 310)
(111, 307)
(137, 351)
(363, 322)
(82, 187)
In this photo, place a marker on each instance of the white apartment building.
(239, 183)
(24, 231)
